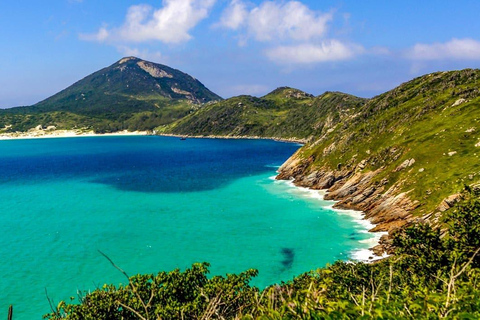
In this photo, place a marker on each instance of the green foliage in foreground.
(434, 274)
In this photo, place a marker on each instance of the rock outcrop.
(386, 207)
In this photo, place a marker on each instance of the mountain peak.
(126, 59)
(287, 92)
(128, 82)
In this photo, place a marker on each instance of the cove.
(154, 203)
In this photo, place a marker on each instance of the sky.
(237, 46)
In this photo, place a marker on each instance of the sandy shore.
(44, 134)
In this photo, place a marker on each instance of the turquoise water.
(151, 204)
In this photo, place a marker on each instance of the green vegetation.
(434, 274)
(284, 113)
(433, 119)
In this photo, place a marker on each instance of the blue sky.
(236, 46)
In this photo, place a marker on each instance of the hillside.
(284, 113)
(130, 94)
(406, 153)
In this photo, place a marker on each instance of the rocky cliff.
(387, 208)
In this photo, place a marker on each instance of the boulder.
(449, 202)
(405, 164)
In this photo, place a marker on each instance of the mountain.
(284, 113)
(114, 96)
(128, 83)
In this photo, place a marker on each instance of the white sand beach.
(39, 133)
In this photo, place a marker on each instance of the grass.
(419, 121)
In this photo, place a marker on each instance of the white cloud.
(455, 49)
(101, 36)
(234, 16)
(272, 20)
(169, 24)
(291, 31)
(332, 50)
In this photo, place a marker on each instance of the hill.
(404, 154)
(130, 94)
(285, 113)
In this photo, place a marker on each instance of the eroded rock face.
(407, 163)
(179, 91)
(153, 70)
(458, 102)
(388, 209)
(125, 60)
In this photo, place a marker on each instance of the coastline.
(361, 254)
(48, 134)
(358, 217)
(292, 140)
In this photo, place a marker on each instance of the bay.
(151, 204)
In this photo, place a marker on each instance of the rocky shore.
(388, 209)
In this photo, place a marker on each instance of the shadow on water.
(148, 165)
(288, 257)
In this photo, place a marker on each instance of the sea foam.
(359, 254)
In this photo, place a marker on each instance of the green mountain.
(284, 113)
(130, 94)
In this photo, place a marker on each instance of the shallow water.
(151, 204)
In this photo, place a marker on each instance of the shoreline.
(365, 255)
(360, 254)
(291, 140)
(43, 134)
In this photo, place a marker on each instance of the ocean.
(155, 203)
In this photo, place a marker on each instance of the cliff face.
(387, 208)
